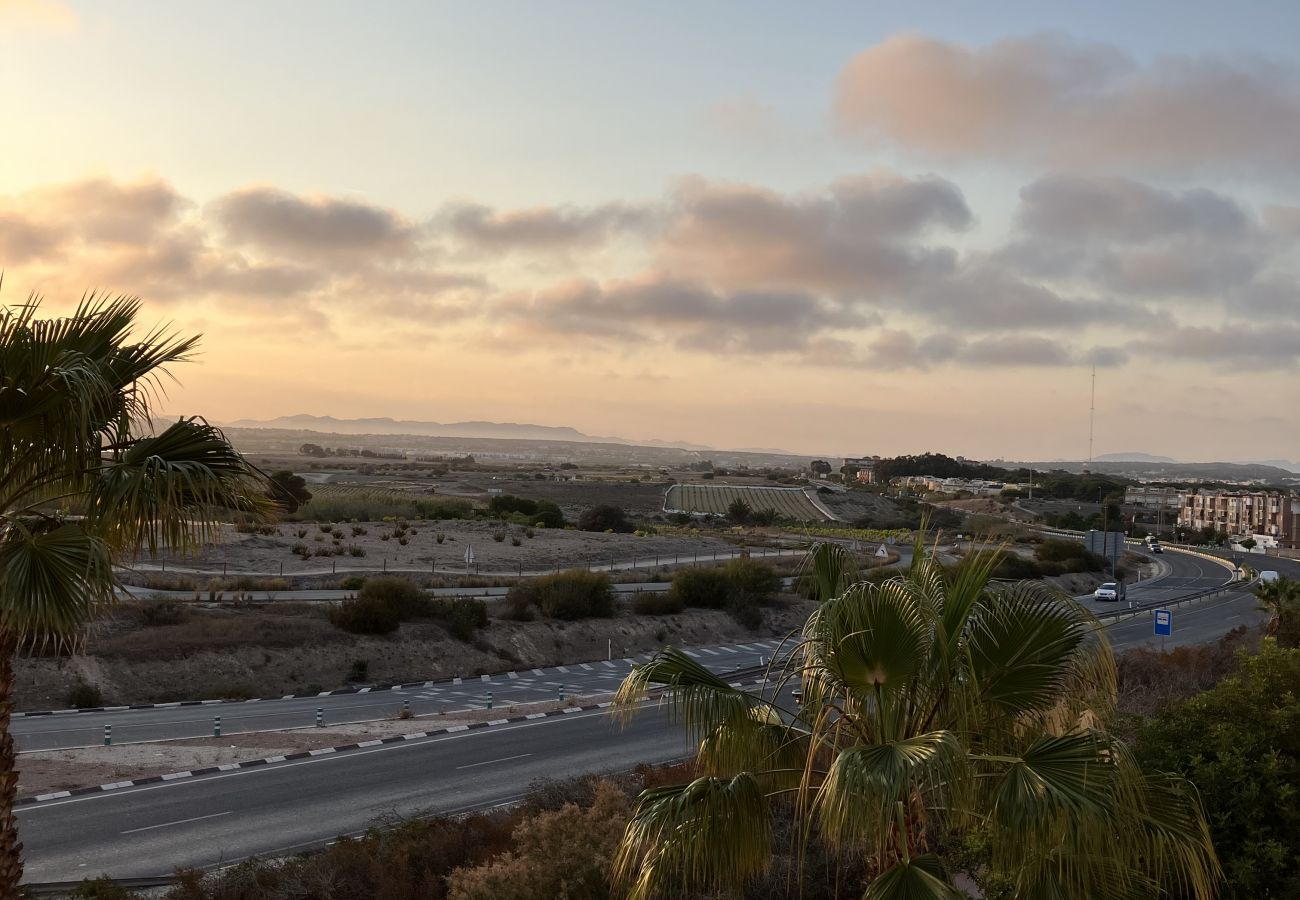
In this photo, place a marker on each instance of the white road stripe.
(491, 761)
(179, 822)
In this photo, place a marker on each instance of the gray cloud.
(1051, 100)
(684, 314)
(1235, 347)
(1129, 238)
(540, 229)
(859, 237)
(278, 221)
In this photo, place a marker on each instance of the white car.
(1110, 591)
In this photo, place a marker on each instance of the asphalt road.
(226, 817)
(80, 729)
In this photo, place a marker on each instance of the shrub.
(360, 670)
(401, 594)
(352, 583)
(403, 540)
(657, 603)
(326, 528)
(461, 616)
(604, 518)
(576, 594)
(1014, 567)
(504, 504)
(365, 615)
(356, 551)
(557, 853)
(439, 537)
(498, 536)
(302, 532)
(515, 540)
(85, 696)
(738, 511)
(705, 588)
(157, 611)
(358, 530)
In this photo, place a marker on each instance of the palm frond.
(699, 699)
(710, 835)
(856, 803)
(920, 878)
(53, 577)
(165, 491)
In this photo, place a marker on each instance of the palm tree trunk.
(11, 849)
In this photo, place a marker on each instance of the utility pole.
(1092, 414)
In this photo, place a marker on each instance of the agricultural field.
(713, 499)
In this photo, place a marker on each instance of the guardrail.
(1231, 587)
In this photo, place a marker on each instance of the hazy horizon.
(862, 231)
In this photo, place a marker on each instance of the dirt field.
(547, 549)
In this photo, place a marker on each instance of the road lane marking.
(178, 822)
(491, 761)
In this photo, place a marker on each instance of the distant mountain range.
(507, 430)
(1134, 456)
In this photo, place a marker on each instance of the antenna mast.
(1092, 414)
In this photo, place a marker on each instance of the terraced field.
(789, 503)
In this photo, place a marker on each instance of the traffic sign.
(1164, 623)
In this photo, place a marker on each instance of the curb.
(307, 754)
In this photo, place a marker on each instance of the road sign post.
(1164, 626)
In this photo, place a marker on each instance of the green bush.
(576, 594)
(402, 595)
(657, 603)
(461, 616)
(352, 583)
(360, 670)
(604, 518)
(365, 615)
(85, 696)
(1017, 568)
(706, 588)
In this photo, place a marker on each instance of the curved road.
(228, 816)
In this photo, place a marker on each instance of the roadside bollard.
(108, 735)
(406, 707)
(489, 700)
(320, 717)
(561, 693)
(216, 726)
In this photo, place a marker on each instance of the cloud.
(280, 221)
(40, 16)
(651, 309)
(985, 295)
(892, 348)
(1050, 100)
(1228, 347)
(257, 253)
(859, 237)
(1133, 239)
(556, 228)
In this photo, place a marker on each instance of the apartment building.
(1150, 497)
(860, 469)
(1270, 515)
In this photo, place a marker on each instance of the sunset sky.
(830, 228)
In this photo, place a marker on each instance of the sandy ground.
(60, 770)
(546, 549)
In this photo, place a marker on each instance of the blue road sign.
(1164, 623)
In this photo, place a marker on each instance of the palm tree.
(1281, 598)
(84, 482)
(936, 705)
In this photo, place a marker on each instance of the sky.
(837, 229)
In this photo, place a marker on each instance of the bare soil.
(271, 651)
(547, 549)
